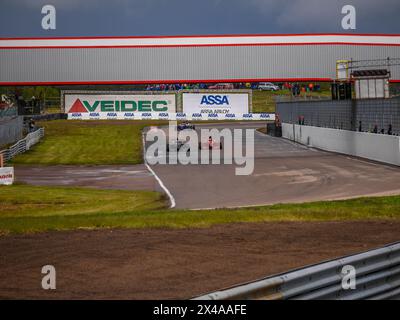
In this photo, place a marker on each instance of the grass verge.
(263, 101)
(68, 142)
(27, 209)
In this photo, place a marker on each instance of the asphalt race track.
(285, 172)
(119, 177)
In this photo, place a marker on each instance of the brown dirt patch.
(170, 264)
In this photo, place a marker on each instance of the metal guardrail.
(23, 145)
(377, 278)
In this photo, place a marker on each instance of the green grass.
(52, 109)
(94, 142)
(263, 101)
(68, 142)
(22, 200)
(26, 209)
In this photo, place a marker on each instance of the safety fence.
(372, 275)
(50, 116)
(365, 115)
(23, 145)
(11, 130)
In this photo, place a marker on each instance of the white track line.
(169, 194)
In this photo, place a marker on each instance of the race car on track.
(210, 144)
(185, 126)
(176, 145)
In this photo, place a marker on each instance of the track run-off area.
(185, 261)
(284, 172)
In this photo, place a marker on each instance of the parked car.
(222, 86)
(268, 86)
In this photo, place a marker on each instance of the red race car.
(210, 144)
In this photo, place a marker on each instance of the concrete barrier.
(378, 147)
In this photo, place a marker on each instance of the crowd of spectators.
(295, 88)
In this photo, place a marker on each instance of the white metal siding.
(183, 63)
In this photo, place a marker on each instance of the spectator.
(294, 90)
(390, 130)
(31, 125)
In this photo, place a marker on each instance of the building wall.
(207, 62)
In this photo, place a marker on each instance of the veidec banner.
(6, 176)
(109, 103)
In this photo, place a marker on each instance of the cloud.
(326, 15)
(172, 17)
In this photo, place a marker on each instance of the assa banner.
(169, 116)
(215, 103)
(128, 103)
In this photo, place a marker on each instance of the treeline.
(27, 93)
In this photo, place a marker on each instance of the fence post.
(1, 160)
(353, 115)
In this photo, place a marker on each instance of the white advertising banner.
(126, 103)
(215, 103)
(6, 175)
(170, 116)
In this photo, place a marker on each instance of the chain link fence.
(370, 115)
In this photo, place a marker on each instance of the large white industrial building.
(231, 58)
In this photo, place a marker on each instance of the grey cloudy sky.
(22, 18)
